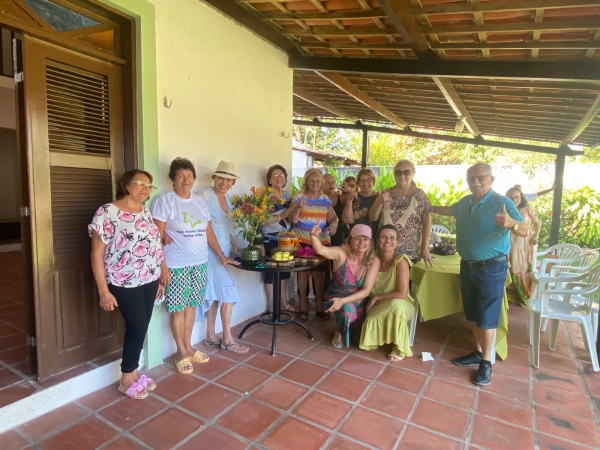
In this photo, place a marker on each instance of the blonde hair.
(309, 173)
(367, 259)
(408, 163)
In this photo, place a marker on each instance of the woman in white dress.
(221, 287)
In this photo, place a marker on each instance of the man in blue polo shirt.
(483, 223)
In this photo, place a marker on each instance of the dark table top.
(250, 268)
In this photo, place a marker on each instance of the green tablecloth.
(438, 293)
(447, 237)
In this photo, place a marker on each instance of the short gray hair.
(487, 167)
(408, 163)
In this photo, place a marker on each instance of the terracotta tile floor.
(311, 396)
(15, 384)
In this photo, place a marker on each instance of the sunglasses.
(143, 184)
(406, 172)
(480, 178)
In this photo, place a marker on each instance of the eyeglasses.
(366, 181)
(278, 176)
(143, 184)
(480, 178)
(406, 172)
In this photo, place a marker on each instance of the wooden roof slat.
(323, 104)
(520, 45)
(514, 27)
(340, 15)
(331, 31)
(345, 85)
(502, 6)
(585, 121)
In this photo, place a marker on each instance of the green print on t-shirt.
(189, 218)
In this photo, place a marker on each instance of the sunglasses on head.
(406, 172)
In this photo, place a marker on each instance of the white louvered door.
(75, 152)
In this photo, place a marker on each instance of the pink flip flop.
(135, 391)
(147, 383)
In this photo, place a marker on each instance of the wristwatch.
(515, 226)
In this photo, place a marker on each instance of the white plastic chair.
(541, 307)
(433, 239)
(580, 266)
(415, 318)
(564, 255)
(440, 229)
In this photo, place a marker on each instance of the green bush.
(580, 217)
(445, 196)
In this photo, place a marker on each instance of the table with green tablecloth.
(438, 292)
(445, 237)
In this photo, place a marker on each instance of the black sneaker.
(470, 360)
(483, 377)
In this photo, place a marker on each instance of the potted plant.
(250, 212)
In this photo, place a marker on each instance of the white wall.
(232, 100)
(300, 163)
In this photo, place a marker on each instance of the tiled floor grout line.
(582, 376)
(314, 388)
(306, 394)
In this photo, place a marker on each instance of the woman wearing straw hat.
(220, 286)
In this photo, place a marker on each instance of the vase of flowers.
(250, 212)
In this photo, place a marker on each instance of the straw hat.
(226, 170)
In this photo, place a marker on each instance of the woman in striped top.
(314, 206)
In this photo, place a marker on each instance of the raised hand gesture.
(503, 220)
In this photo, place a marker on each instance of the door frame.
(131, 77)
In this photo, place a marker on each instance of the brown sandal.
(323, 315)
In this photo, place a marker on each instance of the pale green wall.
(147, 125)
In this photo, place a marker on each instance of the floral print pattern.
(349, 319)
(406, 214)
(133, 253)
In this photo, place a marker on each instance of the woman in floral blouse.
(127, 256)
(407, 208)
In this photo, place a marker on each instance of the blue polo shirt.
(477, 236)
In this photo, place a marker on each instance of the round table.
(275, 318)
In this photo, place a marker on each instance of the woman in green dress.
(390, 308)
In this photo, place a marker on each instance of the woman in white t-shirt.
(185, 217)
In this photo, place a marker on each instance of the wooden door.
(75, 152)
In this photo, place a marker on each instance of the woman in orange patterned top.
(314, 206)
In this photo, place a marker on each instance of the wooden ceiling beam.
(333, 31)
(340, 15)
(525, 84)
(576, 45)
(241, 15)
(311, 98)
(583, 123)
(448, 138)
(565, 71)
(345, 85)
(300, 112)
(356, 46)
(399, 14)
(517, 27)
(501, 6)
(456, 103)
